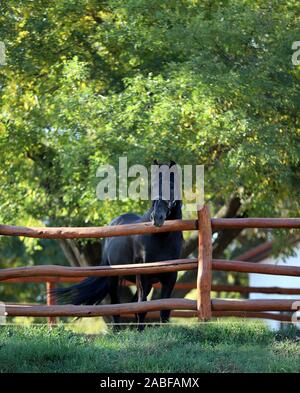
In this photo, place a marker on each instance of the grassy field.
(212, 347)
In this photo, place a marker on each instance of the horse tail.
(91, 290)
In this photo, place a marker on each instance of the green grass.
(212, 347)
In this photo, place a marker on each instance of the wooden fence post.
(204, 276)
(50, 301)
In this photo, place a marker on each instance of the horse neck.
(176, 213)
(172, 241)
(146, 216)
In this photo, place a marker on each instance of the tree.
(202, 82)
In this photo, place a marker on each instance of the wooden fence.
(204, 307)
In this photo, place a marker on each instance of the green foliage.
(220, 347)
(201, 82)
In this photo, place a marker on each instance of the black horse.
(135, 249)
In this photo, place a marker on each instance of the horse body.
(144, 248)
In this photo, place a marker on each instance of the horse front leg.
(143, 290)
(168, 283)
(139, 287)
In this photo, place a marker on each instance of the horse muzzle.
(157, 221)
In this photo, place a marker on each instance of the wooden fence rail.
(103, 310)
(204, 307)
(152, 305)
(267, 223)
(101, 271)
(178, 285)
(250, 267)
(146, 268)
(145, 227)
(98, 232)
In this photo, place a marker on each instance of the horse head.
(166, 197)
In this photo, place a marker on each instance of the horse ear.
(172, 163)
(155, 162)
